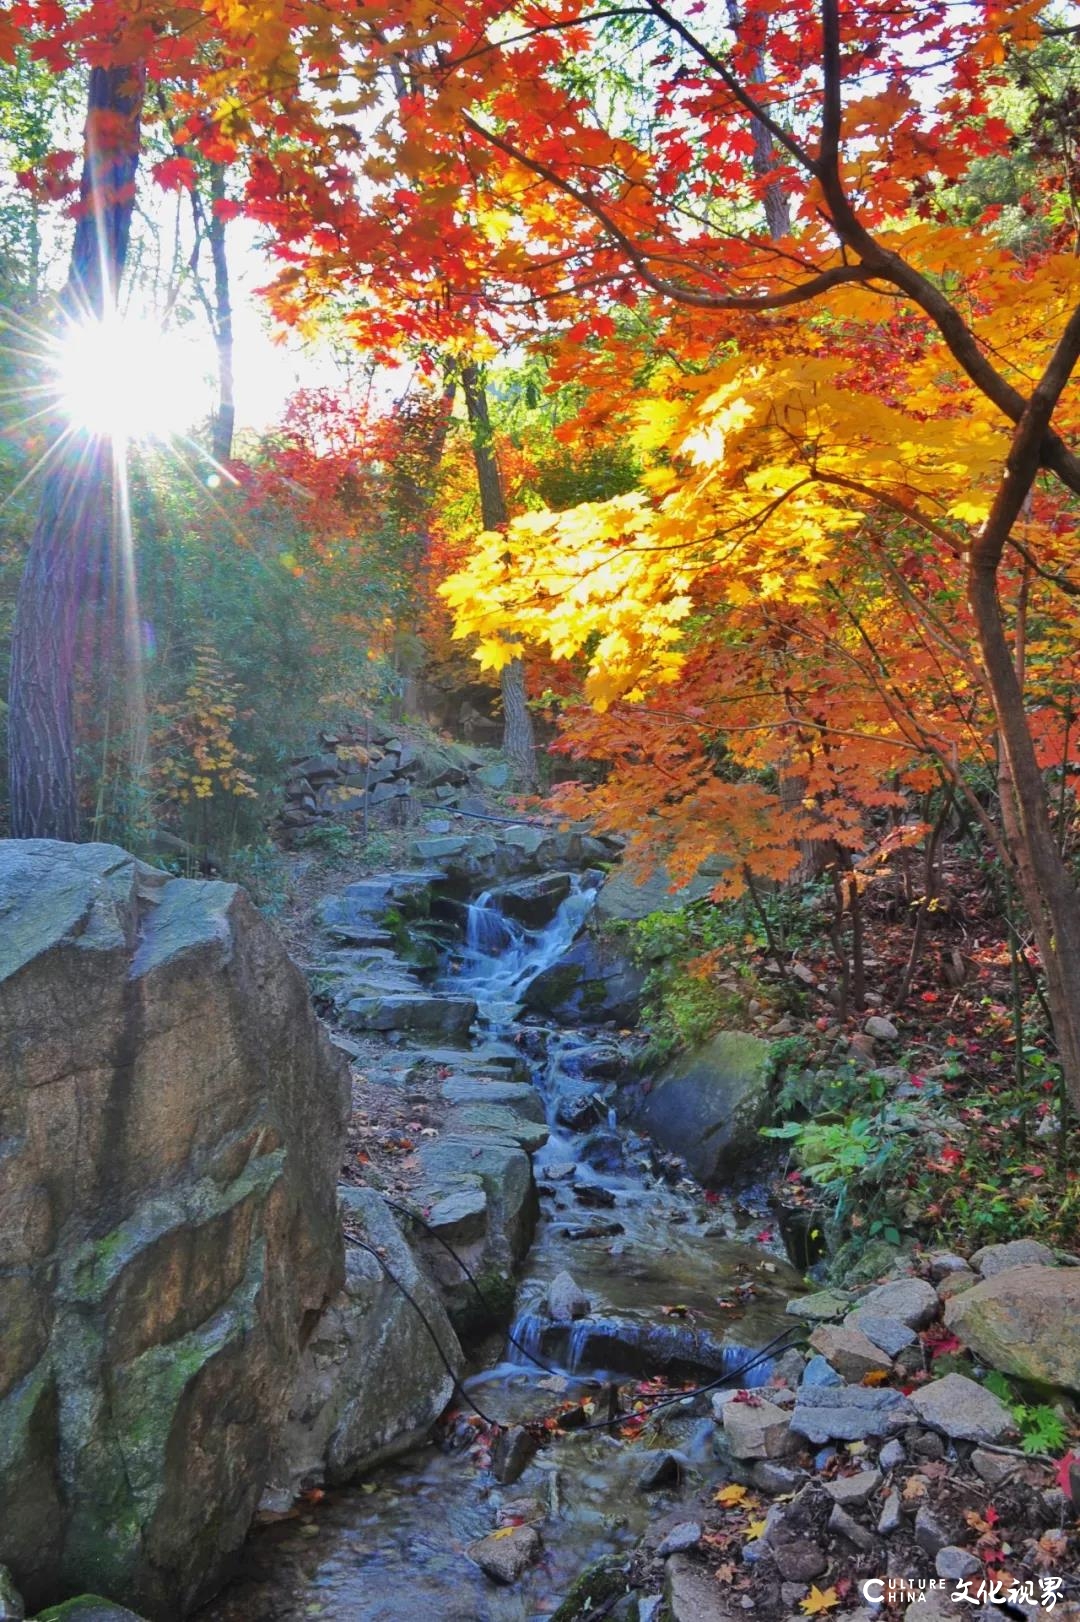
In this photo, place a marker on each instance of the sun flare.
(127, 379)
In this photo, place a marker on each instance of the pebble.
(850, 1491)
(819, 1371)
(930, 1532)
(663, 1471)
(503, 1556)
(848, 1527)
(892, 1455)
(687, 1535)
(956, 1563)
(881, 1029)
(888, 1334)
(993, 1468)
(889, 1519)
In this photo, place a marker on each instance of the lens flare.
(127, 379)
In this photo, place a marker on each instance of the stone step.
(404, 1011)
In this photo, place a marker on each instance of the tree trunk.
(519, 739)
(1050, 896)
(74, 519)
(225, 416)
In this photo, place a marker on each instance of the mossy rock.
(597, 1584)
(87, 1608)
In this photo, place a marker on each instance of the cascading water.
(661, 1272)
(501, 957)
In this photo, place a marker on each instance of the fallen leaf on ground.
(819, 1600)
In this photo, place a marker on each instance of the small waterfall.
(501, 956)
(526, 1334)
(486, 930)
(579, 1340)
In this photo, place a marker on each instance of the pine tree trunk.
(519, 738)
(74, 521)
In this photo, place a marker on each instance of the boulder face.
(1024, 1321)
(171, 1126)
(710, 1105)
(372, 1381)
(591, 984)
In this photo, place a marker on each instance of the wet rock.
(823, 1306)
(662, 1471)
(851, 1354)
(579, 1112)
(963, 1410)
(603, 1151)
(1025, 1321)
(512, 1454)
(993, 1259)
(505, 1555)
(533, 902)
(912, 1301)
(957, 1564)
(756, 1428)
(11, 1604)
(173, 1125)
(889, 1334)
(592, 1230)
(691, 1594)
(848, 1413)
(686, 1535)
(709, 1105)
(87, 1608)
(590, 984)
(851, 1491)
(593, 1196)
(566, 1299)
(846, 1526)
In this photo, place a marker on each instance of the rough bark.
(75, 516)
(1049, 892)
(519, 740)
(225, 416)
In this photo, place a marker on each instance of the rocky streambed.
(596, 1268)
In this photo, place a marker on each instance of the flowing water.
(662, 1267)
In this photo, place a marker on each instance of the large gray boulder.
(173, 1121)
(373, 1378)
(1025, 1321)
(709, 1105)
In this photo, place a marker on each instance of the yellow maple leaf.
(730, 1496)
(754, 1529)
(819, 1600)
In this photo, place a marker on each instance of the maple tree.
(847, 563)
